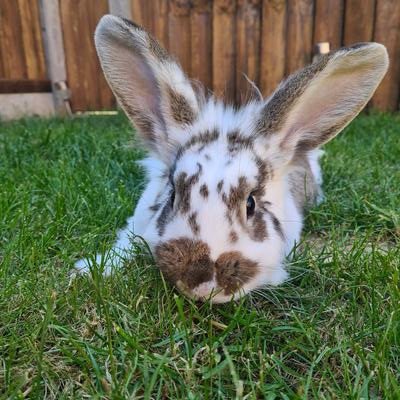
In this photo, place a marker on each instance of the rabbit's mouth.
(206, 293)
(187, 264)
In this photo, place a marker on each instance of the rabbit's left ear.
(149, 85)
(316, 103)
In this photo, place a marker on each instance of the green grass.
(332, 331)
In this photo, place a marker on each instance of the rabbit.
(227, 187)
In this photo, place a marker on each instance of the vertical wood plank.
(359, 21)
(387, 32)
(11, 41)
(201, 42)
(104, 97)
(224, 49)
(329, 22)
(55, 56)
(143, 14)
(248, 47)
(89, 90)
(161, 8)
(273, 45)
(299, 34)
(32, 39)
(179, 32)
(121, 8)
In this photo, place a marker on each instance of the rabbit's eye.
(250, 205)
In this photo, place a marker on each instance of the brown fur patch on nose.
(234, 270)
(185, 260)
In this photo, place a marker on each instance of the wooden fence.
(216, 42)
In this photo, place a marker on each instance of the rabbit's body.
(227, 188)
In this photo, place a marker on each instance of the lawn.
(332, 331)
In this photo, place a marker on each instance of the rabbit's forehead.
(217, 154)
(214, 164)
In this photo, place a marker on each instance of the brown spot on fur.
(207, 157)
(153, 45)
(233, 237)
(143, 122)
(158, 51)
(183, 188)
(219, 186)
(165, 216)
(228, 214)
(275, 220)
(259, 227)
(181, 110)
(236, 197)
(185, 260)
(204, 139)
(204, 190)
(233, 271)
(194, 226)
(277, 225)
(265, 172)
(155, 207)
(237, 142)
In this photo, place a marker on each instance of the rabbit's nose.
(185, 262)
(233, 271)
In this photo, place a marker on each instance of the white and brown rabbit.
(227, 187)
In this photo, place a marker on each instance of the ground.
(332, 331)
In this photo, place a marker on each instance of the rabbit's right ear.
(150, 86)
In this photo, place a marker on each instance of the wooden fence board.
(89, 90)
(104, 96)
(161, 9)
(224, 48)
(32, 39)
(387, 32)
(201, 42)
(179, 32)
(299, 34)
(248, 47)
(359, 21)
(121, 8)
(11, 41)
(329, 22)
(273, 45)
(143, 14)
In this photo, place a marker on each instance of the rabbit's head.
(225, 206)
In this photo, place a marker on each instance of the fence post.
(121, 8)
(55, 57)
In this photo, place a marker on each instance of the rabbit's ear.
(150, 86)
(316, 103)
